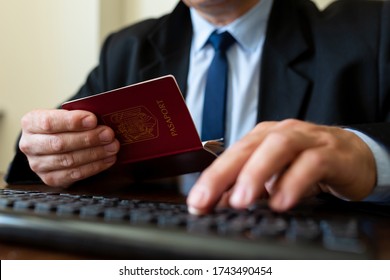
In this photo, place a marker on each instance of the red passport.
(152, 122)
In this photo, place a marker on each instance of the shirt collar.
(248, 30)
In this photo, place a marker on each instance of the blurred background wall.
(47, 47)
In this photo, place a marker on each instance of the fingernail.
(195, 211)
(105, 136)
(110, 160)
(111, 148)
(240, 197)
(89, 122)
(196, 197)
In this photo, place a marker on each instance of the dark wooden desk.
(158, 192)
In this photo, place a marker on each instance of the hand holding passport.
(154, 127)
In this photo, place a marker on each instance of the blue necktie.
(214, 108)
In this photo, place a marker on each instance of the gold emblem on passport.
(133, 125)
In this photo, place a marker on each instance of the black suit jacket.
(330, 67)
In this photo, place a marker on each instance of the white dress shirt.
(244, 59)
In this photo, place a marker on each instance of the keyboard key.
(45, 207)
(91, 211)
(303, 229)
(271, 226)
(6, 202)
(342, 236)
(142, 216)
(116, 213)
(69, 208)
(24, 204)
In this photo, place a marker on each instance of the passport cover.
(154, 127)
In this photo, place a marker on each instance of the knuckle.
(94, 154)
(49, 179)
(91, 138)
(76, 174)
(24, 145)
(317, 159)
(71, 120)
(44, 123)
(56, 143)
(246, 145)
(35, 165)
(87, 140)
(290, 123)
(329, 140)
(263, 125)
(83, 172)
(29, 119)
(25, 121)
(89, 155)
(280, 139)
(66, 160)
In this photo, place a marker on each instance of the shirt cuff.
(381, 192)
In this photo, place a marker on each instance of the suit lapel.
(284, 74)
(172, 43)
(284, 82)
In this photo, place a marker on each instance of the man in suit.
(308, 101)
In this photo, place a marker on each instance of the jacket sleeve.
(381, 131)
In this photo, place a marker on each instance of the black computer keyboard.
(112, 227)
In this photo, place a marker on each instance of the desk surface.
(19, 252)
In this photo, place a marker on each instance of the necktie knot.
(221, 41)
